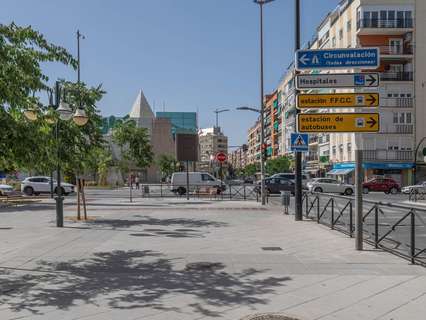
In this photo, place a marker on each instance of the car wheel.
(318, 189)
(181, 191)
(349, 192)
(365, 190)
(393, 190)
(29, 191)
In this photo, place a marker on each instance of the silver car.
(329, 185)
(41, 184)
(420, 188)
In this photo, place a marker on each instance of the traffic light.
(264, 152)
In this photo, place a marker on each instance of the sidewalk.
(142, 261)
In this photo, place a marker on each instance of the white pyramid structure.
(142, 113)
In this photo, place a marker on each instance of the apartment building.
(272, 120)
(388, 25)
(253, 142)
(238, 157)
(211, 141)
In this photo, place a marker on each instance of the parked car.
(196, 180)
(329, 185)
(387, 185)
(292, 176)
(276, 185)
(420, 187)
(6, 190)
(41, 184)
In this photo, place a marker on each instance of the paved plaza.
(197, 259)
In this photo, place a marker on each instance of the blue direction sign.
(299, 142)
(364, 58)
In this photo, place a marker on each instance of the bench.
(15, 199)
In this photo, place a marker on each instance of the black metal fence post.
(413, 236)
(318, 208)
(230, 192)
(332, 213)
(376, 226)
(244, 191)
(351, 222)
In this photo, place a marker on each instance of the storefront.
(400, 172)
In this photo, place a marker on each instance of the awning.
(338, 172)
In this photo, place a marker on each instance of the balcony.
(395, 50)
(388, 155)
(396, 76)
(398, 129)
(397, 102)
(384, 26)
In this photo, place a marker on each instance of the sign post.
(338, 80)
(364, 58)
(358, 200)
(299, 142)
(338, 100)
(338, 122)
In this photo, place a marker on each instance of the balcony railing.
(385, 23)
(388, 155)
(398, 128)
(397, 102)
(396, 76)
(394, 50)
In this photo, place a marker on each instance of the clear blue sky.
(191, 54)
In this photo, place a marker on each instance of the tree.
(251, 169)
(277, 165)
(134, 143)
(22, 51)
(167, 164)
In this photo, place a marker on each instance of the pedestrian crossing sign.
(299, 142)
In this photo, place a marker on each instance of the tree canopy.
(134, 143)
(277, 165)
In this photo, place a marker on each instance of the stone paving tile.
(130, 264)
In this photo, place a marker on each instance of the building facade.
(211, 141)
(391, 26)
(182, 122)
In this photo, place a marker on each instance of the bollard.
(285, 200)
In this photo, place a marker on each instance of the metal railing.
(388, 155)
(395, 50)
(224, 192)
(397, 228)
(385, 23)
(397, 76)
(417, 193)
(397, 102)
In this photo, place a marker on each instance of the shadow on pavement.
(132, 279)
(150, 221)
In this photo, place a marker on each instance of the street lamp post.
(217, 111)
(262, 142)
(262, 124)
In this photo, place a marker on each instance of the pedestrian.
(137, 182)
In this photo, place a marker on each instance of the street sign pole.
(358, 200)
(298, 163)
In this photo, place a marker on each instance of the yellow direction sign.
(338, 122)
(337, 100)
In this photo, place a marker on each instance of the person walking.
(137, 181)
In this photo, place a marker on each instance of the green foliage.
(167, 164)
(24, 144)
(251, 169)
(277, 165)
(134, 143)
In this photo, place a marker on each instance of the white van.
(196, 180)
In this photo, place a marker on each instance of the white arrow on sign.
(303, 59)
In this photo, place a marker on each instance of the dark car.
(276, 185)
(386, 185)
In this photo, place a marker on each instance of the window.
(341, 148)
(401, 117)
(333, 42)
(349, 146)
(206, 177)
(334, 150)
(408, 117)
(395, 117)
(348, 25)
(340, 34)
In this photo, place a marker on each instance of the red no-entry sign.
(221, 157)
